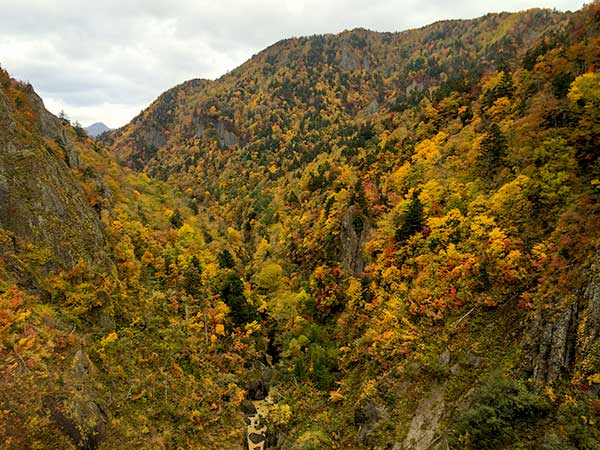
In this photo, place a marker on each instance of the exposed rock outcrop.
(159, 119)
(555, 350)
(370, 109)
(40, 200)
(425, 428)
(354, 234)
(352, 62)
(349, 60)
(367, 418)
(51, 128)
(590, 329)
(7, 120)
(225, 138)
(77, 411)
(568, 333)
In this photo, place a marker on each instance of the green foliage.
(500, 411)
(313, 357)
(192, 278)
(80, 131)
(176, 220)
(504, 88)
(312, 440)
(270, 277)
(225, 259)
(412, 221)
(493, 148)
(470, 187)
(232, 293)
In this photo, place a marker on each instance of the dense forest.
(381, 240)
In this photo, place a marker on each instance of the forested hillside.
(385, 240)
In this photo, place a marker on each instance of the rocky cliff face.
(40, 200)
(590, 324)
(293, 269)
(566, 337)
(354, 234)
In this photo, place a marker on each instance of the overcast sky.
(106, 60)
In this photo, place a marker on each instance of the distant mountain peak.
(97, 129)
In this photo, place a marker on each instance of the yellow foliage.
(354, 291)
(138, 395)
(497, 241)
(147, 258)
(432, 192)
(550, 393)
(262, 249)
(117, 226)
(500, 108)
(586, 87)
(383, 139)
(109, 339)
(211, 270)
(399, 175)
(492, 82)
(279, 414)
(594, 379)
(336, 396)
(196, 417)
(234, 235)
(24, 342)
(252, 328)
(481, 225)
(428, 151)
(186, 230)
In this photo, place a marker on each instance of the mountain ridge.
(342, 145)
(367, 241)
(96, 129)
(266, 53)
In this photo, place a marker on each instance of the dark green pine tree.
(192, 278)
(359, 197)
(232, 293)
(506, 87)
(176, 220)
(492, 149)
(292, 198)
(225, 260)
(412, 220)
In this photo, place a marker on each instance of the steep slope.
(383, 241)
(111, 324)
(305, 85)
(156, 124)
(417, 216)
(40, 201)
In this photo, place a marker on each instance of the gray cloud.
(107, 60)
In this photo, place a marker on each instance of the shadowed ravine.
(355, 241)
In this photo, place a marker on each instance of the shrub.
(500, 410)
